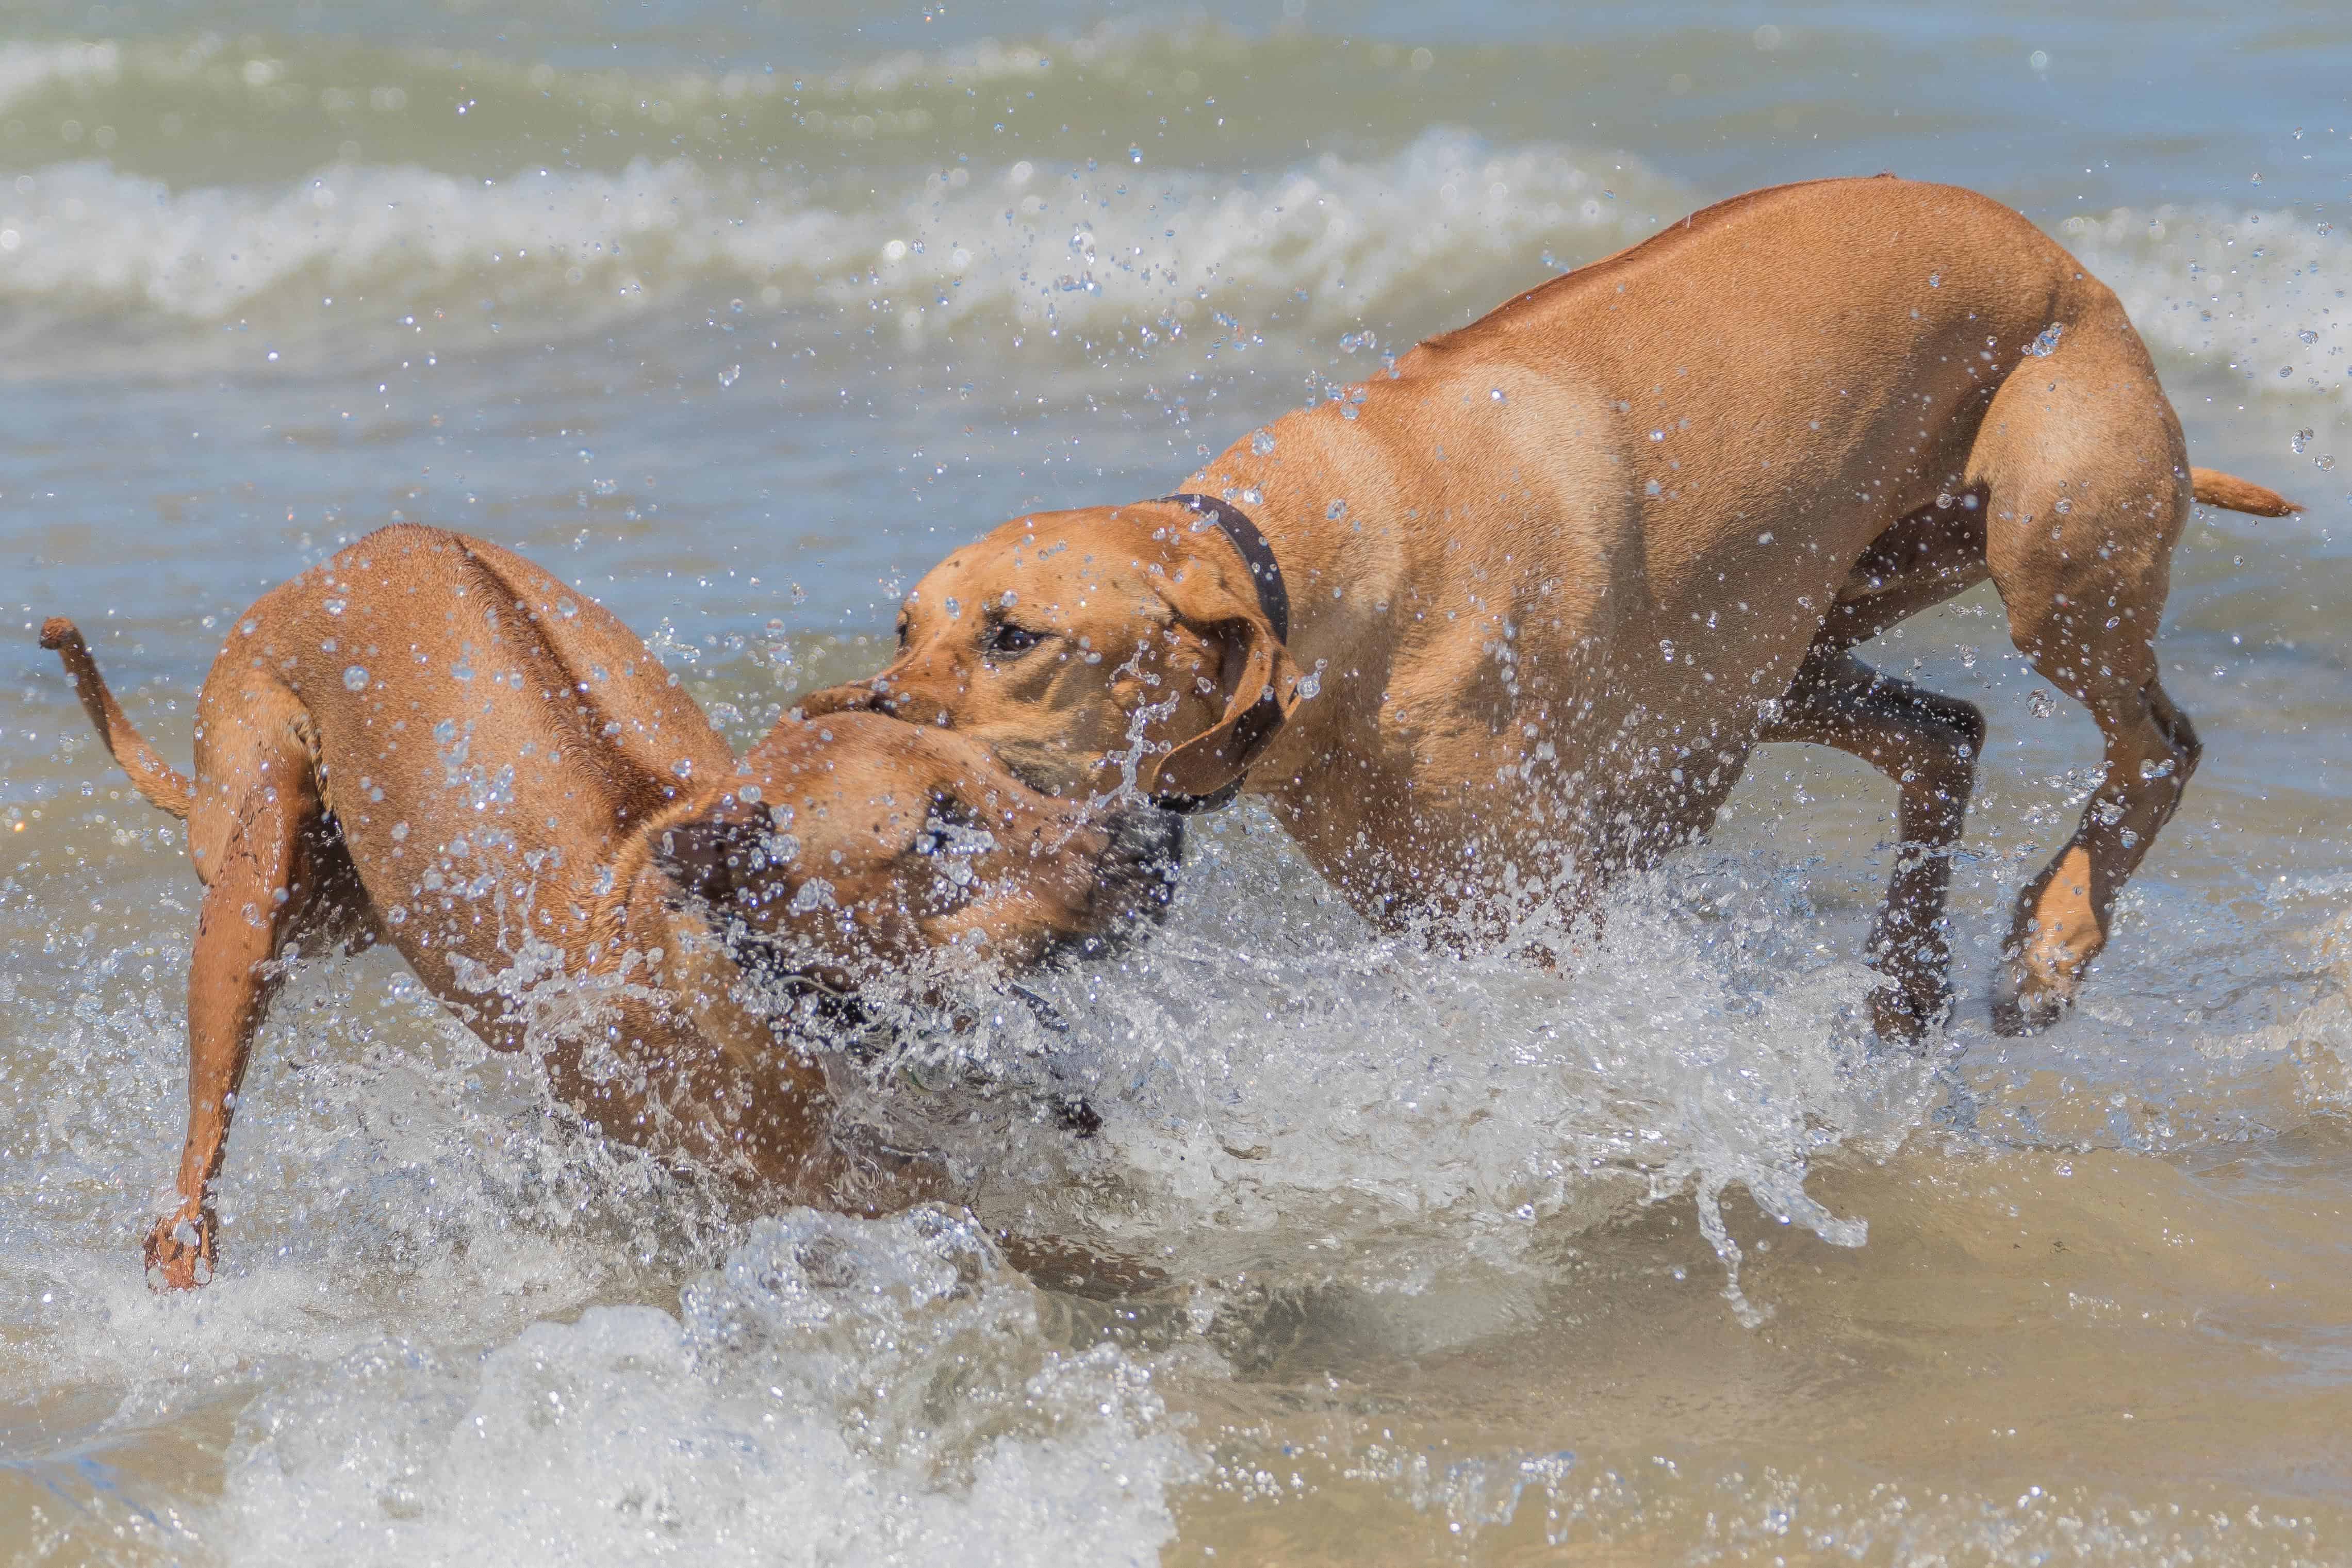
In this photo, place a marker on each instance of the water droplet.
(399, 831)
(728, 377)
(250, 627)
(2039, 60)
(335, 606)
(1135, 154)
(462, 670)
(1309, 686)
(1497, 395)
(2065, 505)
(2257, 178)
(2040, 704)
(355, 678)
(749, 794)
(1935, 280)
(1010, 599)
(1657, 435)
(2307, 337)
(2298, 441)
(2286, 370)
(565, 608)
(2325, 465)
(1262, 442)
(2046, 341)
(955, 610)
(1336, 510)
(1667, 649)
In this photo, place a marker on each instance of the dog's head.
(1065, 639)
(848, 847)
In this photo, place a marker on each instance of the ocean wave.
(1099, 258)
(270, 105)
(1030, 248)
(2266, 296)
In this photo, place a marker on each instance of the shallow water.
(739, 318)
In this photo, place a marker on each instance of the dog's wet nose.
(1147, 850)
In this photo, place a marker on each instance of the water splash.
(865, 1390)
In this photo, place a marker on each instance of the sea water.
(740, 317)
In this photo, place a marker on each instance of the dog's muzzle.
(1139, 869)
(1135, 880)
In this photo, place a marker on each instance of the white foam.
(1107, 257)
(1271, 1069)
(29, 68)
(1031, 249)
(840, 1391)
(2262, 296)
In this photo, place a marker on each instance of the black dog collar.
(1273, 600)
(1272, 596)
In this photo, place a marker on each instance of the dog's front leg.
(231, 977)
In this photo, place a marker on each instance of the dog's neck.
(1341, 564)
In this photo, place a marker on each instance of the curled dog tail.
(2228, 491)
(164, 788)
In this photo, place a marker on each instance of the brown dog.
(430, 741)
(1549, 578)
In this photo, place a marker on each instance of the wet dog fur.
(429, 741)
(1556, 574)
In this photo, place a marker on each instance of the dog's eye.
(1004, 637)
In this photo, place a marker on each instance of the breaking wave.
(1098, 260)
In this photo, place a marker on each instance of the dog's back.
(483, 736)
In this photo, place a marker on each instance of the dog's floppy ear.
(711, 849)
(1260, 680)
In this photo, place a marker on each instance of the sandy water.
(739, 319)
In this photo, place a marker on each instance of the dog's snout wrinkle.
(854, 696)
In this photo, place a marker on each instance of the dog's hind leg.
(2088, 489)
(267, 845)
(1926, 558)
(1928, 744)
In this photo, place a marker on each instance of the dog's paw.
(2031, 997)
(179, 1252)
(1904, 1015)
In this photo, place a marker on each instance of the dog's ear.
(1260, 681)
(711, 850)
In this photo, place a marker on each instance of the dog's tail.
(2231, 493)
(163, 788)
